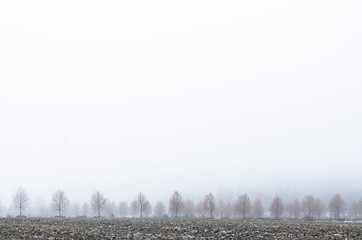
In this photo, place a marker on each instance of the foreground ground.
(90, 228)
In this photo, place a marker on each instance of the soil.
(150, 228)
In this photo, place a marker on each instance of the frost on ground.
(106, 228)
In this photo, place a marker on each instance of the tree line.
(307, 208)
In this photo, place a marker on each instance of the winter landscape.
(193, 119)
(309, 218)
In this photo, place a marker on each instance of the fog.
(262, 97)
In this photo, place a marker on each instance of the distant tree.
(257, 209)
(1, 209)
(20, 200)
(199, 209)
(242, 206)
(147, 210)
(134, 208)
(295, 209)
(142, 205)
(85, 209)
(98, 202)
(159, 209)
(189, 208)
(75, 209)
(220, 210)
(337, 206)
(209, 204)
(360, 207)
(308, 207)
(60, 202)
(319, 208)
(176, 204)
(354, 210)
(288, 209)
(110, 209)
(276, 207)
(123, 209)
(229, 210)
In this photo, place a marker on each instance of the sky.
(262, 97)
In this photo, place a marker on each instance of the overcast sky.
(195, 96)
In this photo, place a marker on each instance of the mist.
(200, 97)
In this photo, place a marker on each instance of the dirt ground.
(127, 228)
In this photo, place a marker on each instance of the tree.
(75, 209)
(159, 209)
(319, 207)
(60, 202)
(360, 207)
(200, 209)
(141, 204)
(134, 208)
(123, 209)
(257, 209)
(295, 209)
(98, 202)
(209, 204)
(229, 210)
(243, 206)
(147, 209)
(220, 209)
(308, 207)
(85, 209)
(288, 209)
(20, 200)
(276, 207)
(189, 208)
(176, 204)
(110, 209)
(354, 210)
(337, 206)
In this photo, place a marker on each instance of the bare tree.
(360, 207)
(147, 209)
(85, 209)
(176, 204)
(1, 208)
(209, 204)
(110, 209)
(189, 208)
(277, 207)
(98, 202)
(353, 210)
(229, 210)
(20, 200)
(142, 205)
(75, 209)
(60, 202)
(123, 209)
(288, 209)
(220, 209)
(337, 206)
(134, 208)
(200, 209)
(308, 207)
(319, 208)
(295, 209)
(159, 209)
(257, 209)
(242, 206)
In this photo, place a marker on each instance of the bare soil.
(127, 228)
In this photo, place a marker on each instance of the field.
(127, 228)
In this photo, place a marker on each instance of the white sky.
(195, 96)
